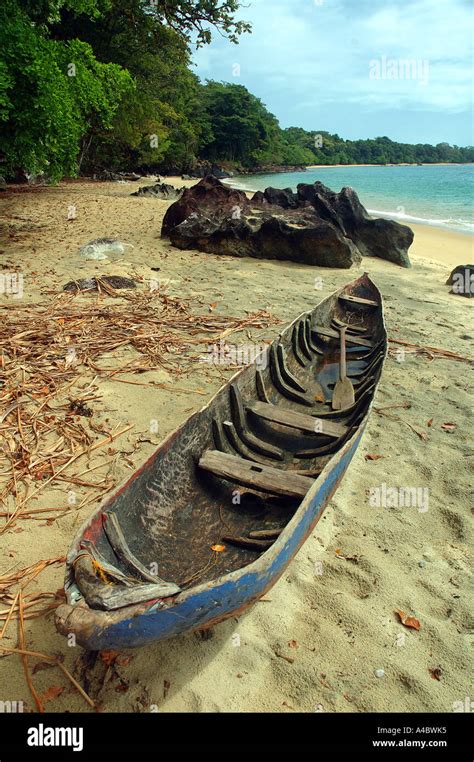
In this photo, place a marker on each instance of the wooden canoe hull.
(206, 604)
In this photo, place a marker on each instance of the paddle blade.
(343, 395)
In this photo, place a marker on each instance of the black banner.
(83, 736)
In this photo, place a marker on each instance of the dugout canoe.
(212, 519)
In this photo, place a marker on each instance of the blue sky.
(340, 65)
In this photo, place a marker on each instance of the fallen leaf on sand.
(217, 548)
(408, 621)
(449, 426)
(53, 692)
(340, 554)
(369, 456)
(435, 672)
(430, 422)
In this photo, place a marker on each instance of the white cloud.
(302, 54)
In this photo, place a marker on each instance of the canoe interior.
(172, 512)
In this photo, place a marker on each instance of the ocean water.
(439, 195)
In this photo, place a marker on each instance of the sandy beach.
(321, 636)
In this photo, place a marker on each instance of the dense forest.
(87, 85)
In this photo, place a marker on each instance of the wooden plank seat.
(330, 333)
(250, 474)
(350, 328)
(351, 299)
(295, 420)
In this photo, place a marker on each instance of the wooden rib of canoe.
(209, 523)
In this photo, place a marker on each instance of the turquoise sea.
(439, 195)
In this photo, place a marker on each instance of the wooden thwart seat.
(330, 333)
(296, 420)
(250, 474)
(350, 328)
(351, 299)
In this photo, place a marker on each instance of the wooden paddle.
(343, 395)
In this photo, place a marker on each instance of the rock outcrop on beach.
(107, 176)
(208, 200)
(313, 226)
(462, 281)
(203, 168)
(271, 169)
(373, 237)
(159, 190)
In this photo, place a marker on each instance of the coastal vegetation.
(87, 85)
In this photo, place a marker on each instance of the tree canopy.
(108, 84)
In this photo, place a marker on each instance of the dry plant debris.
(430, 352)
(53, 356)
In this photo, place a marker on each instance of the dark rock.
(385, 239)
(462, 281)
(209, 198)
(160, 190)
(373, 237)
(314, 225)
(131, 177)
(267, 169)
(90, 284)
(280, 197)
(186, 177)
(217, 219)
(205, 168)
(106, 176)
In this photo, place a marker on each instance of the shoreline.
(432, 242)
(409, 221)
(446, 247)
(402, 164)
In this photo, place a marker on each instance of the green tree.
(49, 92)
(163, 123)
